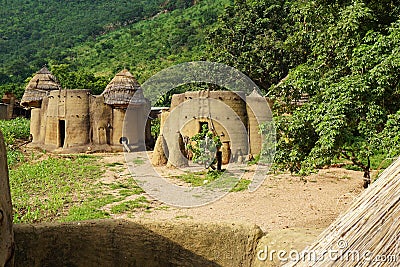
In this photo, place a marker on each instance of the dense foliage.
(34, 33)
(204, 147)
(149, 46)
(250, 36)
(13, 130)
(342, 55)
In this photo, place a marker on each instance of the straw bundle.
(121, 89)
(368, 234)
(39, 86)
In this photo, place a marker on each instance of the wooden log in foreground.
(6, 232)
(368, 234)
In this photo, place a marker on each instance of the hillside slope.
(149, 46)
(34, 33)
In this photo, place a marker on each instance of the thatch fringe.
(40, 86)
(368, 234)
(121, 89)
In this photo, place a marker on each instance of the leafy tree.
(149, 46)
(351, 79)
(204, 147)
(27, 41)
(72, 79)
(390, 136)
(341, 55)
(250, 36)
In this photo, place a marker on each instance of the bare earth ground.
(282, 201)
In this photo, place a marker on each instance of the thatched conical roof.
(39, 86)
(121, 89)
(367, 234)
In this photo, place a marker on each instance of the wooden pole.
(6, 231)
(219, 160)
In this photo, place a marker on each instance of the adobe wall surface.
(70, 106)
(258, 111)
(135, 126)
(35, 125)
(77, 117)
(224, 111)
(127, 243)
(3, 111)
(292, 240)
(100, 121)
(159, 158)
(233, 100)
(38, 122)
(90, 124)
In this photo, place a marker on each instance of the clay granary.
(76, 120)
(233, 116)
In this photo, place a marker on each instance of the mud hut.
(76, 120)
(230, 115)
(38, 87)
(125, 95)
(121, 89)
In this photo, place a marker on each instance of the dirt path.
(282, 201)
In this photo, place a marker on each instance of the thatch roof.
(39, 86)
(138, 99)
(368, 234)
(121, 89)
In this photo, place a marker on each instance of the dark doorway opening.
(123, 140)
(203, 124)
(61, 128)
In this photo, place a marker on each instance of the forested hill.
(149, 46)
(55, 32)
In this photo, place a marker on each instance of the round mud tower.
(159, 158)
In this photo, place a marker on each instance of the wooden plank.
(368, 234)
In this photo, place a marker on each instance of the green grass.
(128, 192)
(205, 178)
(118, 185)
(200, 178)
(162, 208)
(47, 190)
(242, 185)
(139, 203)
(192, 178)
(12, 130)
(254, 160)
(90, 209)
(345, 177)
(68, 188)
(138, 161)
(127, 187)
(114, 164)
(17, 128)
(378, 161)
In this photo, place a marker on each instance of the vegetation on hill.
(148, 46)
(33, 33)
